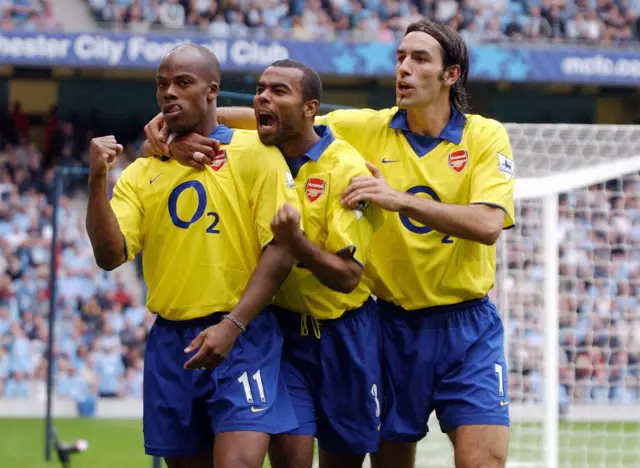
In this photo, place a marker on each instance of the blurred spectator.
(171, 14)
(27, 15)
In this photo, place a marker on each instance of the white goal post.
(578, 210)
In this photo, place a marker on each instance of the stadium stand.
(599, 308)
(104, 325)
(585, 21)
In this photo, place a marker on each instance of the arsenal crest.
(314, 188)
(218, 160)
(458, 160)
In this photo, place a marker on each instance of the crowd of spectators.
(27, 15)
(102, 326)
(599, 308)
(382, 20)
(587, 21)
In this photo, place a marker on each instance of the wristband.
(236, 322)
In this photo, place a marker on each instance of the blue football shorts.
(334, 381)
(184, 409)
(447, 359)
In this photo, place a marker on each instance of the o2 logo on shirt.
(202, 205)
(409, 223)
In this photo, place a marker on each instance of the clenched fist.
(286, 225)
(103, 152)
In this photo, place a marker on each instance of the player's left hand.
(372, 189)
(215, 343)
(286, 225)
(156, 134)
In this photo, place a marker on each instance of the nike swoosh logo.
(257, 410)
(385, 160)
(504, 403)
(151, 181)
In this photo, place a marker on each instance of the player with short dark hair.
(311, 84)
(211, 263)
(329, 321)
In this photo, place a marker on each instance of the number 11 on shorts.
(257, 377)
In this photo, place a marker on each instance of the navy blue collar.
(223, 134)
(452, 131)
(319, 147)
(313, 153)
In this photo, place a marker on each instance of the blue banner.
(559, 64)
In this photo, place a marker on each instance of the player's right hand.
(103, 152)
(213, 344)
(194, 150)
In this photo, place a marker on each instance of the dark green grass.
(112, 443)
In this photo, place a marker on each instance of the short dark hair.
(311, 83)
(454, 52)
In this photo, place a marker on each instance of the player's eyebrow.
(274, 84)
(184, 75)
(414, 52)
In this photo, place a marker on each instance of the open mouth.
(404, 87)
(266, 120)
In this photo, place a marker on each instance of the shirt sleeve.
(493, 176)
(352, 230)
(273, 186)
(352, 125)
(129, 210)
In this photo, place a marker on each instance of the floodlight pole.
(58, 180)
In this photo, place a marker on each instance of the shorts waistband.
(205, 321)
(292, 316)
(435, 309)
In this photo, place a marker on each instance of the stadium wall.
(131, 408)
(123, 100)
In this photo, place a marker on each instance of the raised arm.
(102, 225)
(237, 117)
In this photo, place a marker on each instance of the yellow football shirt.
(322, 175)
(470, 162)
(202, 232)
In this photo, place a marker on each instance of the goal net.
(568, 289)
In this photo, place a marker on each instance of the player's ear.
(214, 90)
(311, 108)
(452, 74)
